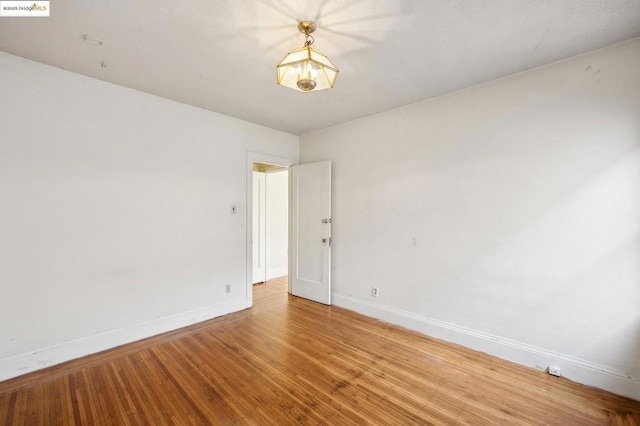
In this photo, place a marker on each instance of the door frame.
(255, 157)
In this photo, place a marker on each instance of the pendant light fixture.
(306, 69)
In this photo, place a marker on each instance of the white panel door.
(259, 226)
(311, 231)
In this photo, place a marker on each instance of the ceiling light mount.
(307, 27)
(306, 69)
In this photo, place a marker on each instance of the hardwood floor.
(291, 361)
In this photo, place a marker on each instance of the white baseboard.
(575, 369)
(20, 364)
(277, 272)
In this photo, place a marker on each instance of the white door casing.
(310, 246)
(254, 157)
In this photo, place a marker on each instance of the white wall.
(277, 223)
(115, 214)
(505, 217)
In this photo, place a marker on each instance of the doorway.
(270, 222)
(257, 158)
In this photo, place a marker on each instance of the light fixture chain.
(308, 39)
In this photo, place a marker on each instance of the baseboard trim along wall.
(574, 369)
(277, 272)
(24, 363)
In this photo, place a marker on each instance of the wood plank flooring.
(291, 361)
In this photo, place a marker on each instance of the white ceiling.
(221, 54)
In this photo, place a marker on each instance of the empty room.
(382, 212)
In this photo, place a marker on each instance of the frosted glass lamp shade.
(306, 70)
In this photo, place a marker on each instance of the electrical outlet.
(227, 288)
(374, 291)
(555, 371)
